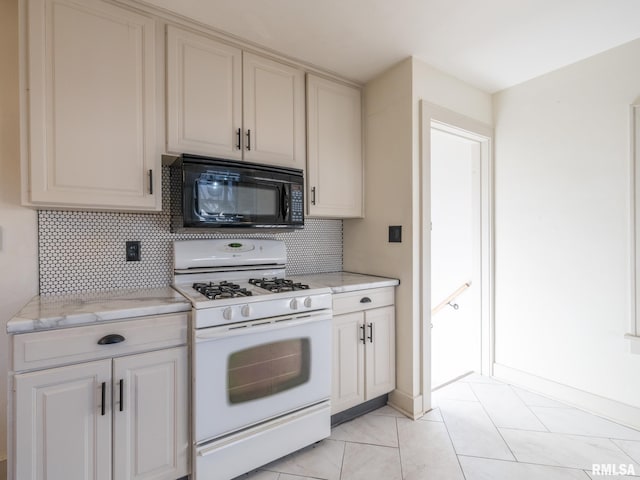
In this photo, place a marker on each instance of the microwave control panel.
(297, 203)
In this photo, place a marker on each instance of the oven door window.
(268, 369)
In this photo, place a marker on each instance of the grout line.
(453, 446)
(399, 449)
(495, 426)
(573, 434)
(529, 408)
(344, 454)
(524, 463)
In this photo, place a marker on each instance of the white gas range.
(261, 354)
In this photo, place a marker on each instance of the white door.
(348, 361)
(274, 119)
(151, 415)
(455, 262)
(65, 423)
(204, 95)
(334, 175)
(92, 137)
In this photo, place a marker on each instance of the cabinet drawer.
(79, 344)
(363, 300)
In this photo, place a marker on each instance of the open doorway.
(456, 247)
(455, 256)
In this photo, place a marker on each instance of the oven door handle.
(257, 327)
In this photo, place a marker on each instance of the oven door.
(251, 372)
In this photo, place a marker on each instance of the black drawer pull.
(363, 339)
(111, 338)
(365, 300)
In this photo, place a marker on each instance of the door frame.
(468, 128)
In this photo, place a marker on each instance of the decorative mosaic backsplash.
(85, 251)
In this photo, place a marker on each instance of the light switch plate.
(395, 233)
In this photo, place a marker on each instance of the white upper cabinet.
(224, 102)
(334, 136)
(273, 112)
(204, 95)
(90, 116)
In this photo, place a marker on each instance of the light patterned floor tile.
(577, 422)
(477, 378)
(373, 429)
(321, 460)
(286, 476)
(487, 469)
(387, 411)
(432, 415)
(369, 462)
(259, 475)
(535, 400)
(453, 391)
(472, 431)
(426, 451)
(631, 448)
(573, 451)
(505, 408)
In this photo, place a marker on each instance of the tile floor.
(479, 429)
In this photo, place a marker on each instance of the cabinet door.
(150, 411)
(380, 351)
(204, 95)
(274, 125)
(334, 171)
(65, 429)
(348, 362)
(91, 88)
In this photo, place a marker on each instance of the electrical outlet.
(133, 251)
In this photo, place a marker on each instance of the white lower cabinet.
(125, 417)
(363, 347)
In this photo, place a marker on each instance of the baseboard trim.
(605, 407)
(406, 404)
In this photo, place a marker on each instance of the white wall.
(562, 225)
(392, 197)
(18, 248)
(388, 201)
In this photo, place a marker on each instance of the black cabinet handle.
(371, 332)
(313, 195)
(363, 339)
(104, 398)
(248, 139)
(121, 393)
(365, 300)
(239, 134)
(110, 339)
(150, 182)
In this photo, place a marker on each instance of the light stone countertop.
(341, 282)
(59, 311)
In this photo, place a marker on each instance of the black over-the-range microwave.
(219, 193)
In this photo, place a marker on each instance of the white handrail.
(450, 298)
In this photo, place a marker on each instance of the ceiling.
(491, 44)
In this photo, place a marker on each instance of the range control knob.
(293, 304)
(245, 311)
(307, 302)
(227, 313)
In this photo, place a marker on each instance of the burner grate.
(224, 289)
(277, 285)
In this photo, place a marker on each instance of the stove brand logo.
(612, 469)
